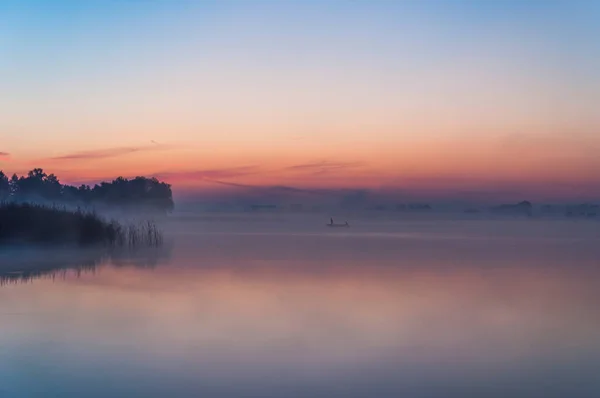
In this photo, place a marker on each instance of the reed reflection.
(26, 264)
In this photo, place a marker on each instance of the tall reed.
(33, 223)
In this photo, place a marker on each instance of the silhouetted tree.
(121, 192)
(14, 180)
(4, 186)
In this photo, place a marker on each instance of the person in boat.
(331, 221)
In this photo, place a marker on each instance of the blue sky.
(413, 89)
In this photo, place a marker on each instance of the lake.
(278, 305)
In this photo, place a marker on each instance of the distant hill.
(522, 208)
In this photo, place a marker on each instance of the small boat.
(332, 224)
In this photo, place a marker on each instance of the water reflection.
(25, 264)
(277, 315)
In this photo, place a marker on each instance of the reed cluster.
(33, 223)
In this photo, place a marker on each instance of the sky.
(438, 98)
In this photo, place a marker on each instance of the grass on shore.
(32, 223)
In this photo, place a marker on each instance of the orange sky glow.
(407, 98)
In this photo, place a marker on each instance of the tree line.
(38, 186)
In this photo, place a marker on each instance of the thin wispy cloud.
(4, 154)
(323, 167)
(110, 152)
(209, 174)
(97, 154)
(271, 188)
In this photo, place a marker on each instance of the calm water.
(280, 306)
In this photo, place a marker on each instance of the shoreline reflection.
(24, 265)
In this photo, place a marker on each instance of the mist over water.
(278, 305)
